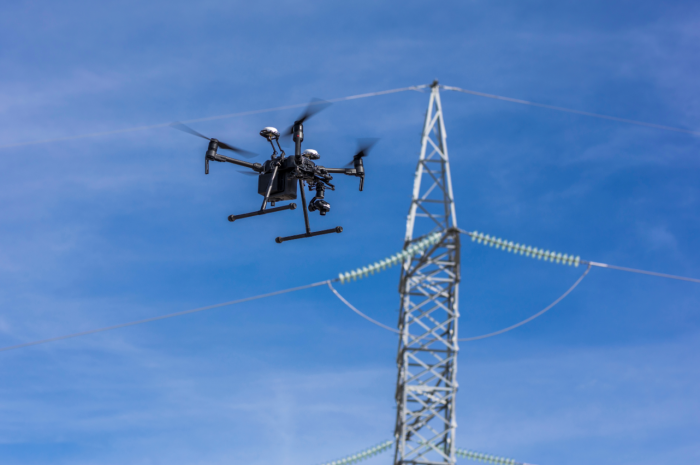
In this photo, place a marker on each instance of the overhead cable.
(162, 317)
(473, 338)
(351, 307)
(419, 246)
(650, 273)
(558, 257)
(415, 248)
(351, 97)
(529, 319)
(211, 118)
(569, 110)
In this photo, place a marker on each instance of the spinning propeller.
(248, 173)
(223, 145)
(363, 148)
(312, 108)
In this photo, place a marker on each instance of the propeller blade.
(245, 153)
(222, 145)
(248, 173)
(287, 133)
(363, 148)
(314, 106)
(181, 127)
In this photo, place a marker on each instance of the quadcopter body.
(282, 177)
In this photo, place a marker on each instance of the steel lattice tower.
(427, 358)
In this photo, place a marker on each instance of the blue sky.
(104, 230)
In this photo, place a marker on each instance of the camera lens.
(321, 205)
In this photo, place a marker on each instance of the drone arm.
(348, 171)
(222, 158)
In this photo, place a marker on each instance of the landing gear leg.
(337, 229)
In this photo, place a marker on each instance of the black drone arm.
(349, 172)
(222, 158)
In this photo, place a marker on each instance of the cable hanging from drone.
(281, 175)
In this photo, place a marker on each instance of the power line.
(634, 270)
(558, 257)
(569, 110)
(162, 317)
(351, 307)
(209, 118)
(474, 338)
(420, 246)
(271, 294)
(527, 320)
(417, 248)
(351, 97)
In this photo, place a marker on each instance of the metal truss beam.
(429, 287)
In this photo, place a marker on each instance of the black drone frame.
(302, 169)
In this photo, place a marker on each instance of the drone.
(281, 175)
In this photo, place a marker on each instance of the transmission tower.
(427, 358)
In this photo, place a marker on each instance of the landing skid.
(308, 233)
(291, 206)
(337, 229)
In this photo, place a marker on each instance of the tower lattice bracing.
(427, 356)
